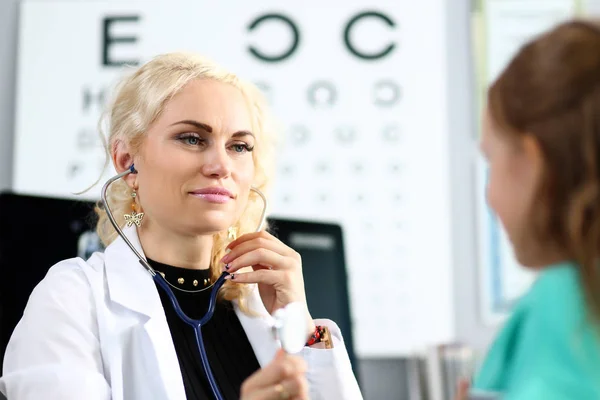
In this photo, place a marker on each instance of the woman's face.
(514, 172)
(195, 164)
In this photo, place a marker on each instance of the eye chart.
(360, 87)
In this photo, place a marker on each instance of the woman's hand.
(276, 268)
(283, 378)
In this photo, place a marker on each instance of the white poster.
(507, 25)
(361, 87)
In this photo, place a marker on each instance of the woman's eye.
(241, 148)
(191, 140)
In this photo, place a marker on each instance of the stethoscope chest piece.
(290, 327)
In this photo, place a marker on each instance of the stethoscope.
(289, 323)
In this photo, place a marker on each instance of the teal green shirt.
(548, 349)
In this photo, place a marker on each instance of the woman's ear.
(533, 155)
(122, 160)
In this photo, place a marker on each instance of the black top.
(230, 355)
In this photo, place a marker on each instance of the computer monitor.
(36, 233)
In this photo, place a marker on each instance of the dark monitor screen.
(37, 232)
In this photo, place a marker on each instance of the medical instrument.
(290, 323)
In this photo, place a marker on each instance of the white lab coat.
(96, 329)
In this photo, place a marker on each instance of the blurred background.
(379, 182)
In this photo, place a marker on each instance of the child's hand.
(462, 392)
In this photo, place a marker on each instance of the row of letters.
(380, 51)
(319, 94)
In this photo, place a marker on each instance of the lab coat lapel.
(132, 287)
(257, 326)
(129, 284)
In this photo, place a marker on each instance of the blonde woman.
(199, 138)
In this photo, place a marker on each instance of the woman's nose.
(217, 163)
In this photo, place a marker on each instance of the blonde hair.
(140, 100)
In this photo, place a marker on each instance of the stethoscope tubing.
(160, 281)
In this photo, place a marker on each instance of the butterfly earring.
(135, 217)
(232, 233)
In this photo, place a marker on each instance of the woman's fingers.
(260, 242)
(276, 266)
(282, 367)
(293, 389)
(285, 373)
(263, 276)
(261, 256)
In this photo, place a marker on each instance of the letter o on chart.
(299, 134)
(386, 93)
(346, 134)
(322, 94)
(374, 55)
(391, 133)
(291, 48)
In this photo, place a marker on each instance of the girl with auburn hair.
(541, 137)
